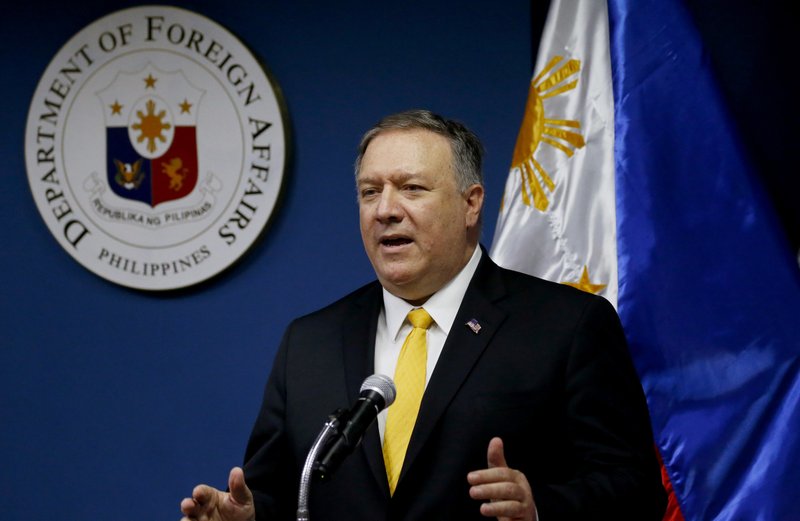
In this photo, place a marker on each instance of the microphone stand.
(330, 429)
(377, 392)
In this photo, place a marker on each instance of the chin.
(397, 273)
(398, 285)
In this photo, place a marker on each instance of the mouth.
(395, 242)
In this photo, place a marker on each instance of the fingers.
(189, 508)
(506, 492)
(495, 456)
(492, 476)
(511, 490)
(513, 510)
(202, 501)
(210, 504)
(497, 470)
(240, 493)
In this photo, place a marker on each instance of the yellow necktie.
(409, 378)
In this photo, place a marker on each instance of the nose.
(389, 208)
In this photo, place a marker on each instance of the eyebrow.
(399, 177)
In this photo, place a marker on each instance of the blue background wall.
(114, 403)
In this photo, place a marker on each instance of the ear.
(474, 199)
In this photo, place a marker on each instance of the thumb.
(495, 456)
(240, 493)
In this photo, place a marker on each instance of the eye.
(367, 192)
(412, 188)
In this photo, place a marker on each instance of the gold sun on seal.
(151, 126)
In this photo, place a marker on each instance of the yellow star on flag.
(116, 108)
(585, 284)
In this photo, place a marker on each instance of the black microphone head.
(381, 384)
(377, 392)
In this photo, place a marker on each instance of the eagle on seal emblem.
(129, 176)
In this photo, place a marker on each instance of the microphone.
(377, 393)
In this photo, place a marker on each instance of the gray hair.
(465, 146)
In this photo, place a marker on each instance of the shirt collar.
(442, 306)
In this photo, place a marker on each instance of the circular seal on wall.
(155, 147)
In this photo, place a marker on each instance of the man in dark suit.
(531, 406)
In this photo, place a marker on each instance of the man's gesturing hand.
(507, 490)
(210, 504)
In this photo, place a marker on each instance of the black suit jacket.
(548, 372)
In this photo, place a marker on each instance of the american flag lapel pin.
(474, 325)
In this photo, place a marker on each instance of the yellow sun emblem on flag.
(537, 128)
(151, 126)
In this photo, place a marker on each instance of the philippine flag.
(628, 181)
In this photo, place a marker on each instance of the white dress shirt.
(394, 327)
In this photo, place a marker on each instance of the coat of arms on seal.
(151, 142)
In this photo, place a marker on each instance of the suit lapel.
(461, 351)
(358, 340)
(359, 362)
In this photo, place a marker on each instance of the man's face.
(418, 229)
